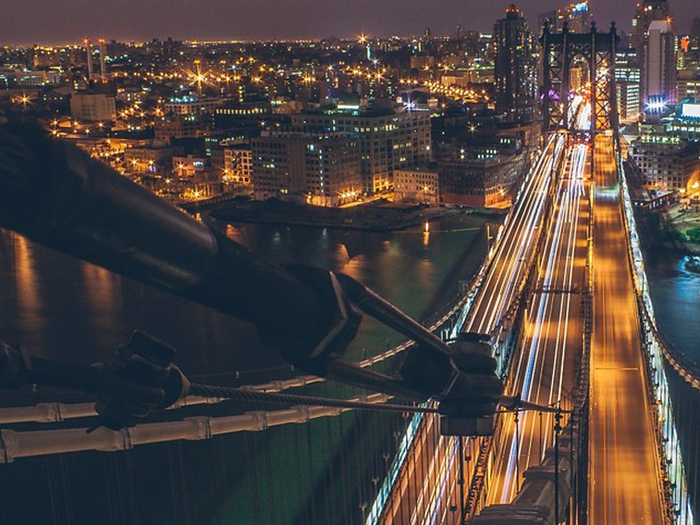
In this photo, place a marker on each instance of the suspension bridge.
(598, 428)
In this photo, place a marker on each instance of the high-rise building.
(688, 86)
(693, 53)
(695, 33)
(576, 16)
(103, 60)
(647, 12)
(627, 80)
(549, 18)
(387, 140)
(515, 67)
(659, 66)
(318, 169)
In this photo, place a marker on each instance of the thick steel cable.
(252, 396)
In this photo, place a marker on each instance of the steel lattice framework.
(560, 50)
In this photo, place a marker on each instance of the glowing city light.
(656, 105)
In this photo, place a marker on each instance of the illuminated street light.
(23, 99)
(656, 105)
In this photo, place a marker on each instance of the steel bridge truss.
(560, 52)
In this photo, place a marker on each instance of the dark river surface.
(61, 308)
(675, 292)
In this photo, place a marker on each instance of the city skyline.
(269, 19)
(517, 215)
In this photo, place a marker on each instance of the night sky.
(66, 21)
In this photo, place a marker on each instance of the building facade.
(515, 67)
(319, 169)
(189, 105)
(178, 126)
(148, 160)
(627, 80)
(688, 87)
(238, 166)
(191, 166)
(576, 16)
(387, 141)
(686, 122)
(647, 11)
(93, 107)
(479, 176)
(420, 184)
(659, 68)
(664, 162)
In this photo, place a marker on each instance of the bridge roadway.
(624, 487)
(428, 480)
(509, 265)
(623, 466)
(545, 363)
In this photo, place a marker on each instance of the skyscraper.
(695, 33)
(577, 16)
(515, 67)
(693, 54)
(659, 67)
(657, 81)
(627, 79)
(647, 12)
(549, 18)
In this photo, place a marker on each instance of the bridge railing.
(674, 480)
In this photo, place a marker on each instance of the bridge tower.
(560, 52)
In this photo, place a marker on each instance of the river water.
(54, 305)
(57, 307)
(675, 292)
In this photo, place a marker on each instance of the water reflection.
(100, 288)
(26, 279)
(52, 303)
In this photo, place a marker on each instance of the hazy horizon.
(44, 22)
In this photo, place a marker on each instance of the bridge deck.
(545, 364)
(429, 476)
(624, 485)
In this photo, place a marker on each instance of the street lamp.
(23, 99)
